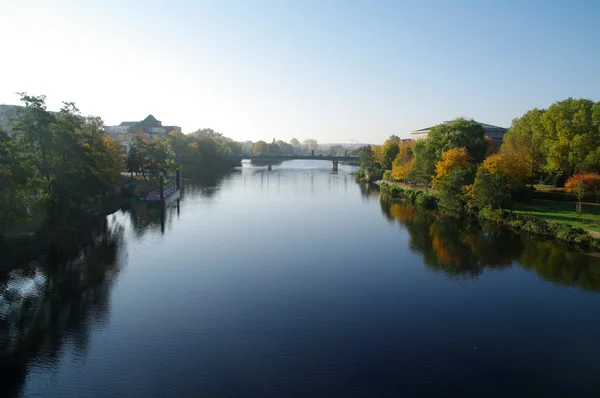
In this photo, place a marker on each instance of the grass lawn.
(562, 212)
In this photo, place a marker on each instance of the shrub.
(495, 216)
(387, 175)
(426, 200)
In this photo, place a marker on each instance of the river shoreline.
(24, 249)
(579, 238)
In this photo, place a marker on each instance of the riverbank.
(519, 220)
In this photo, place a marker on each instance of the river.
(299, 282)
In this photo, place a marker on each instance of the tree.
(582, 185)
(453, 173)
(456, 134)
(451, 190)
(365, 153)
(285, 149)
(529, 135)
(260, 148)
(402, 165)
(490, 189)
(14, 175)
(512, 164)
(310, 145)
(455, 158)
(423, 166)
(273, 149)
(32, 131)
(389, 151)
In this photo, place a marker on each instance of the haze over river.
(298, 282)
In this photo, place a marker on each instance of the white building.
(149, 127)
(494, 132)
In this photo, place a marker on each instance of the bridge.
(281, 158)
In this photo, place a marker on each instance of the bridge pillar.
(334, 166)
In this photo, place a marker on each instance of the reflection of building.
(150, 127)
(494, 132)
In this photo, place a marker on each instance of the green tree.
(14, 175)
(458, 133)
(490, 190)
(310, 145)
(424, 161)
(389, 151)
(452, 192)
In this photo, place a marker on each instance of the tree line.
(55, 164)
(559, 146)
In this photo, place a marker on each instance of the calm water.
(299, 282)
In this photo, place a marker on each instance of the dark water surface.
(298, 282)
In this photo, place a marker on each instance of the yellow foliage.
(402, 165)
(400, 171)
(455, 158)
(377, 153)
(403, 212)
(512, 163)
(446, 256)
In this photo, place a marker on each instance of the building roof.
(128, 124)
(485, 126)
(151, 121)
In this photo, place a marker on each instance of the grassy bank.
(562, 213)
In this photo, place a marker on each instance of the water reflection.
(369, 191)
(43, 306)
(459, 249)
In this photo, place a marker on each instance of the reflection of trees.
(208, 186)
(43, 306)
(147, 218)
(554, 264)
(368, 190)
(458, 248)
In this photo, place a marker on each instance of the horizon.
(334, 72)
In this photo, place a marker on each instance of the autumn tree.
(455, 158)
(582, 185)
(452, 174)
(459, 133)
(512, 163)
(260, 148)
(402, 165)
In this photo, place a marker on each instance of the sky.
(336, 71)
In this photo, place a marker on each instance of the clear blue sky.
(336, 71)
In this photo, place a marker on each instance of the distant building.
(494, 132)
(150, 127)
